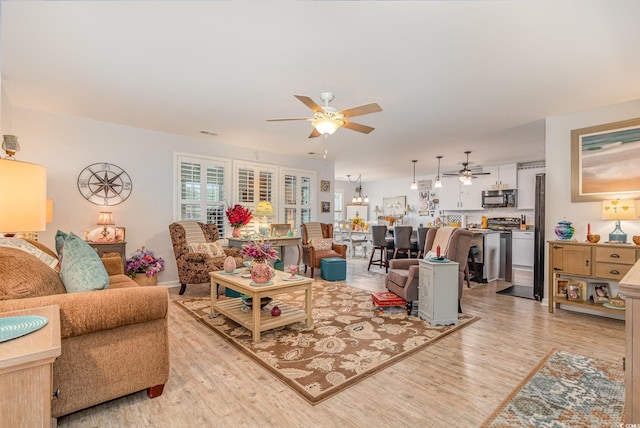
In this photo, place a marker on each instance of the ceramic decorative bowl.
(593, 238)
(564, 230)
(636, 240)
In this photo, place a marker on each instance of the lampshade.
(23, 196)
(105, 218)
(327, 126)
(265, 209)
(414, 185)
(438, 183)
(49, 210)
(619, 209)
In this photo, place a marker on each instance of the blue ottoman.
(333, 269)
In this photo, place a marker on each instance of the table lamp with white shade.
(264, 210)
(618, 209)
(23, 205)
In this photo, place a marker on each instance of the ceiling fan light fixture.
(414, 185)
(326, 126)
(466, 180)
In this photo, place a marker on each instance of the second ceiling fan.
(326, 119)
(466, 174)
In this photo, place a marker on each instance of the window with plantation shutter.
(255, 182)
(298, 196)
(202, 189)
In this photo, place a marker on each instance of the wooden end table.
(257, 320)
(26, 372)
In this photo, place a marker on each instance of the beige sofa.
(114, 342)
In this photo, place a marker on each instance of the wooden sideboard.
(588, 262)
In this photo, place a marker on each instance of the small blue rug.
(565, 390)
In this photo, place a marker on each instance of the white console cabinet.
(438, 292)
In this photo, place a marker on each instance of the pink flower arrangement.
(238, 215)
(258, 250)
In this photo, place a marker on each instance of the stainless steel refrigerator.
(539, 239)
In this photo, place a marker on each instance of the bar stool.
(379, 242)
(422, 239)
(402, 240)
(471, 260)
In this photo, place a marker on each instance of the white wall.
(66, 145)
(558, 173)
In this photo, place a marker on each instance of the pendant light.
(414, 185)
(438, 183)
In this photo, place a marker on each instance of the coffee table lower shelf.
(232, 309)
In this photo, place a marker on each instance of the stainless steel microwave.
(507, 198)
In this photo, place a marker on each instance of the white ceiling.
(450, 76)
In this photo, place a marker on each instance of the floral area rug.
(348, 342)
(565, 390)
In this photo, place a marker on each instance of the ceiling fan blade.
(357, 127)
(309, 103)
(314, 133)
(293, 118)
(359, 111)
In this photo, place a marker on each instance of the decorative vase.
(261, 272)
(144, 280)
(564, 230)
(229, 264)
(237, 232)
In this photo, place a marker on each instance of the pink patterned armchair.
(194, 268)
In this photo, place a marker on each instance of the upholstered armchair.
(194, 267)
(402, 278)
(317, 244)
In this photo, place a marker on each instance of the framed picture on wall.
(596, 152)
(325, 206)
(325, 186)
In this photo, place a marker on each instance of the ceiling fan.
(326, 119)
(465, 174)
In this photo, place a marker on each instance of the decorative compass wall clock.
(104, 184)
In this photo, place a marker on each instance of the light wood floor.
(456, 382)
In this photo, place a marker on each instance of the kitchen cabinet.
(527, 187)
(454, 196)
(583, 260)
(522, 257)
(488, 244)
(503, 176)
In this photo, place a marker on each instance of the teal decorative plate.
(258, 285)
(13, 327)
(438, 260)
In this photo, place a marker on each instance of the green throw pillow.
(81, 268)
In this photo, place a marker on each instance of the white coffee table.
(257, 320)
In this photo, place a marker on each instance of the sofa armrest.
(403, 263)
(87, 312)
(234, 252)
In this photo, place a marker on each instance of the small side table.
(26, 372)
(111, 247)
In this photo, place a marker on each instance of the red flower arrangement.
(238, 215)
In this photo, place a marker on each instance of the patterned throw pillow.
(321, 244)
(212, 249)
